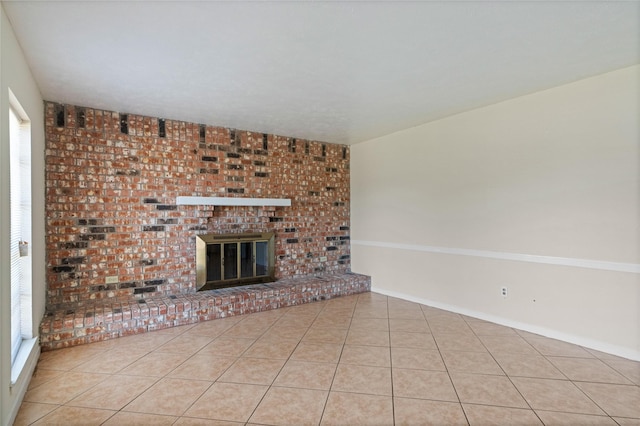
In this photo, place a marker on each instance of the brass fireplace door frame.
(201, 259)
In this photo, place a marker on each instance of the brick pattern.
(94, 321)
(111, 184)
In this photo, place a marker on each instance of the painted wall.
(16, 76)
(539, 194)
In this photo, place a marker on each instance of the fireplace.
(228, 260)
(109, 275)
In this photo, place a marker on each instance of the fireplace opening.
(228, 260)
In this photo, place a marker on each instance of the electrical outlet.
(111, 280)
(503, 291)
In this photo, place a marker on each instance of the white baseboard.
(620, 351)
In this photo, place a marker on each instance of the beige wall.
(539, 194)
(16, 76)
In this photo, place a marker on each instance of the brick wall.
(111, 184)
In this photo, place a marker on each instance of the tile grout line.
(168, 373)
(502, 369)
(326, 402)
(285, 363)
(546, 358)
(464, 412)
(393, 399)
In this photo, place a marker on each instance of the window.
(20, 239)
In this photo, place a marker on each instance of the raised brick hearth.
(104, 319)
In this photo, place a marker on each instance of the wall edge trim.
(20, 387)
(603, 265)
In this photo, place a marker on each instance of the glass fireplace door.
(234, 259)
(214, 262)
(246, 260)
(262, 258)
(230, 261)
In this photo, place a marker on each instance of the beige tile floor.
(365, 359)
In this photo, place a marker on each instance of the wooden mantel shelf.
(232, 201)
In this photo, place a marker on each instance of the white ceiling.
(340, 72)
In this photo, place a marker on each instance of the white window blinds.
(20, 198)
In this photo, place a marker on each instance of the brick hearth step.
(97, 320)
